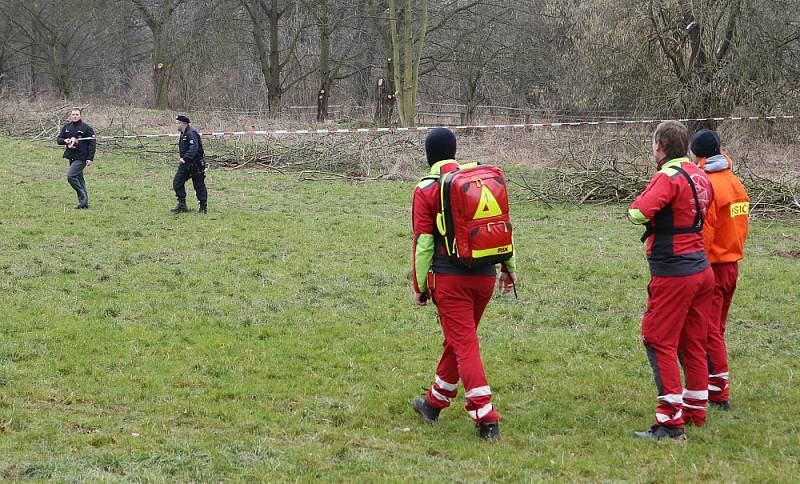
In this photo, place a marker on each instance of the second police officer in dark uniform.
(191, 165)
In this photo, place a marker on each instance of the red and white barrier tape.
(569, 124)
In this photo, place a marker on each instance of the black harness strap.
(698, 218)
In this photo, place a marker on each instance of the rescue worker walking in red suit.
(460, 296)
(680, 291)
(725, 232)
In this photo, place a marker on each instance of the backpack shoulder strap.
(698, 217)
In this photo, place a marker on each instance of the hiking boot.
(659, 432)
(720, 405)
(203, 208)
(81, 206)
(424, 410)
(181, 207)
(488, 430)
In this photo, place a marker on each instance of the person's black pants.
(197, 173)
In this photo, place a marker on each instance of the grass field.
(275, 339)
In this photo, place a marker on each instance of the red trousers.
(460, 301)
(676, 323)
(725, 276)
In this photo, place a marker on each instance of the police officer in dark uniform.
(81, 145)
(192, 165)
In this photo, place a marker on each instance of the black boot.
(181, 207)
(488, 430)
(720, 405)
(203, 207)
(424, 410)
(659, 432)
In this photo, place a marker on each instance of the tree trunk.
(325, 74)
(161, 69)
(274, 80)
(393, 14)
(36, 53)
(158, 21)
(423, 30)
(34, 68)
(322, 104)
(60, 68)
(385, 96)
(407, 65)
(472, 82)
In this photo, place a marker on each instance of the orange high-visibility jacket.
(728, 217)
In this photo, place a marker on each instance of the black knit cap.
(705, 143)
(440, 144)
(182, 118)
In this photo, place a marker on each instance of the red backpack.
(474, 219)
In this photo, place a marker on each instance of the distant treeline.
(668, 57)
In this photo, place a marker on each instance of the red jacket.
(668, 204)
(428, 251)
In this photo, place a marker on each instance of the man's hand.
(88, 162)
(506, 282)
(181, 161)
(72, 142)
(421, 298)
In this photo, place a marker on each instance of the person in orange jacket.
(724, 233)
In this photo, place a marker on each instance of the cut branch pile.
(323, 157)
(615, 171)
(589, 172)
(43, 125)
(770, 196)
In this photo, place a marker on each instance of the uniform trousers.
(725, 276)
(675, 325)
(461, 301)
(197, 173)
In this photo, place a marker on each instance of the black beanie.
(182, 118)
(440, 145)
(705, 143)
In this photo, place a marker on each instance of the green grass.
(275, 339)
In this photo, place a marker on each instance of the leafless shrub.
(613, 167)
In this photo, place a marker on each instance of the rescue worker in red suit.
(725, 231)
(460, 296)
(679, 303)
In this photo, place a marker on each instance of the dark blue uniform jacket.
(190, 146)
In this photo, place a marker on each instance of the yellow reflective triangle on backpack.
(488, 206)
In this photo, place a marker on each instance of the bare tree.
(340, 45)
(479, 45)
(267, 17)
(407, 53)
(157, 15)
(588, 57)
(697, 43)
(6, 49)
(55, 43)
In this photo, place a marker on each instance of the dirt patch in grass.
(788, 254)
